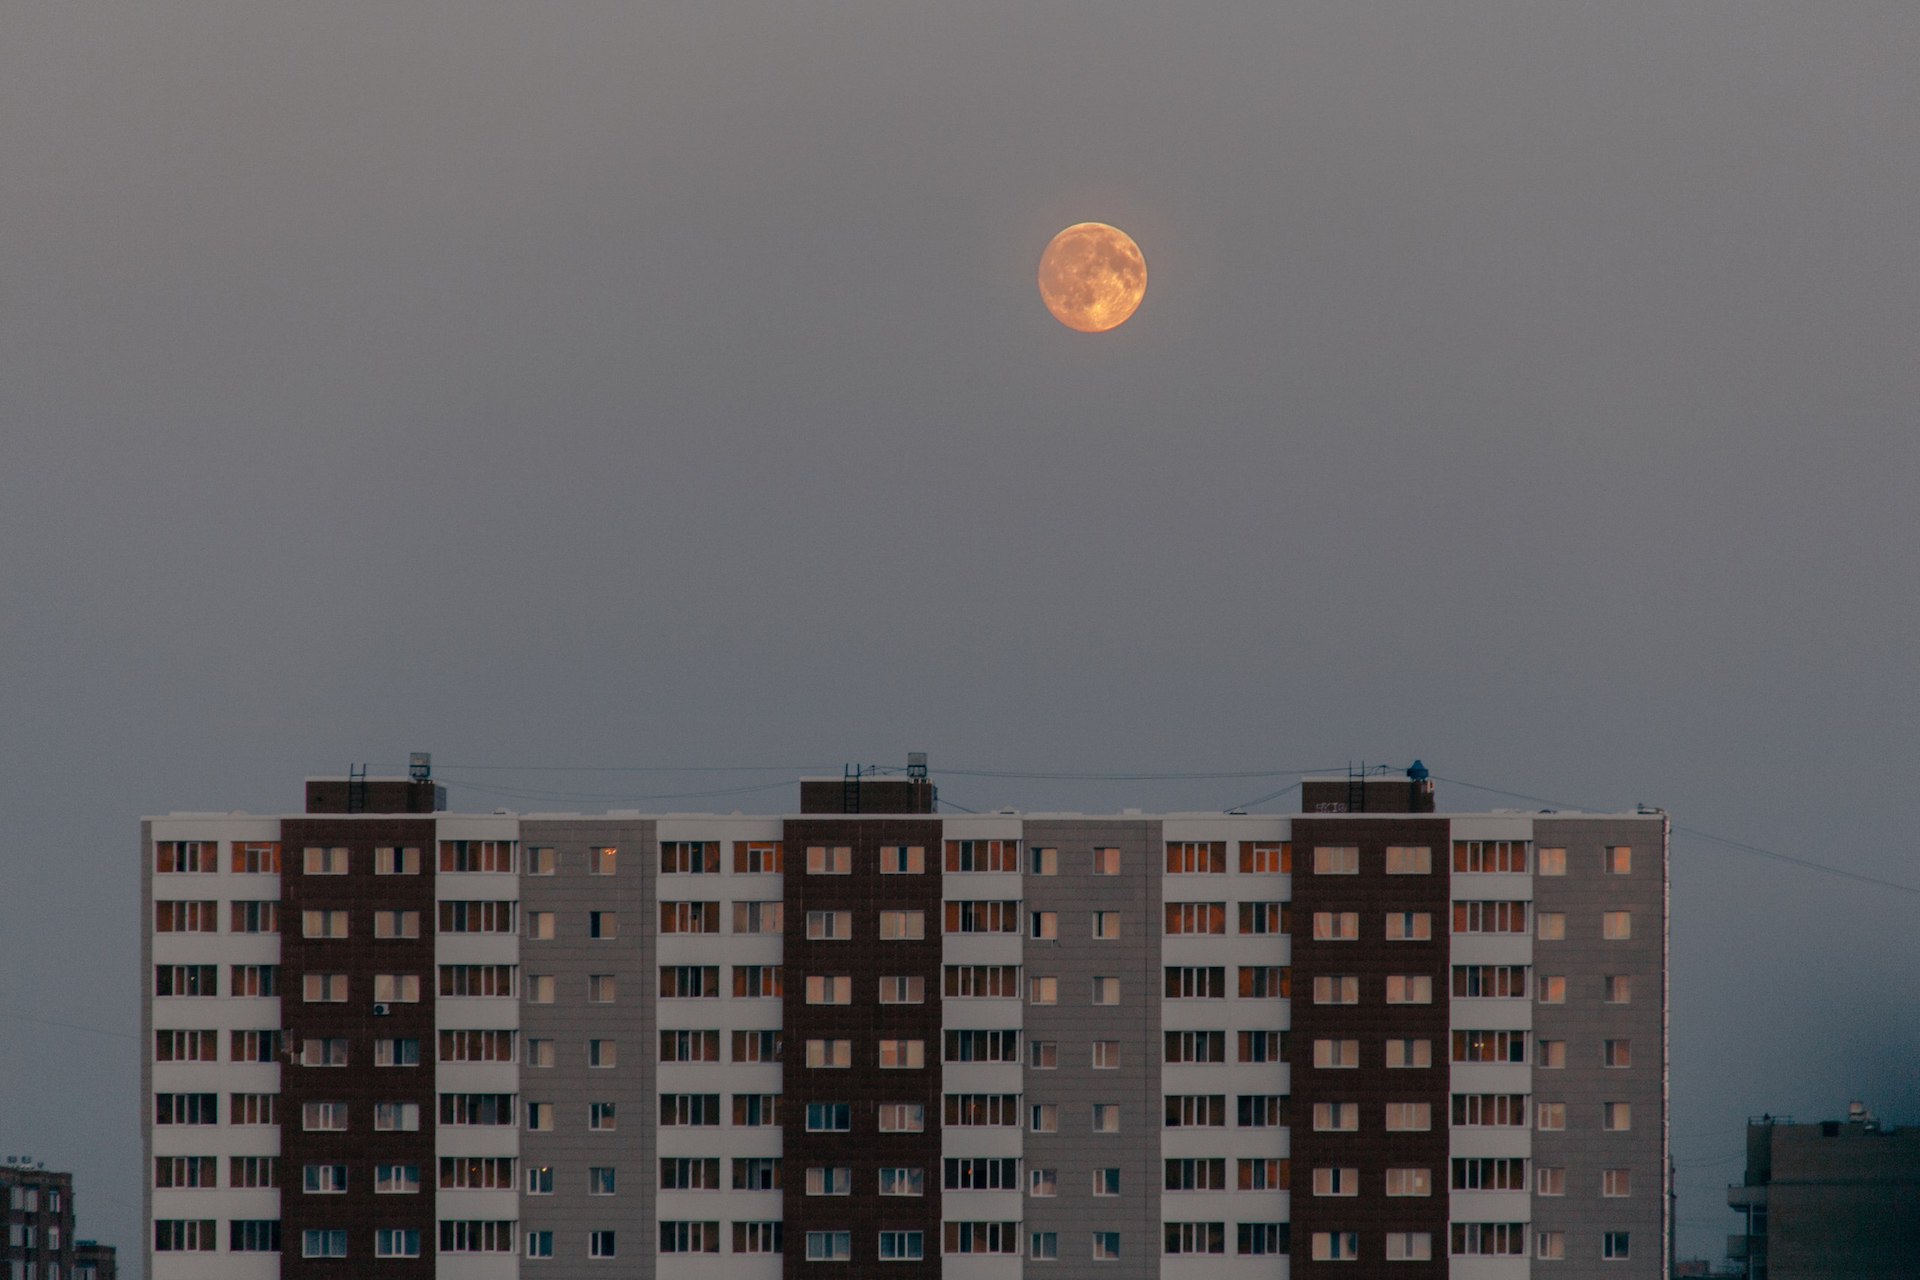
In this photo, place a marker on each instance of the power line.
(530, 793)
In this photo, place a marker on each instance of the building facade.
(1835, 1198)
(388, 1040)
(39, 1243)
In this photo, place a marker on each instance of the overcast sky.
(1525, 387)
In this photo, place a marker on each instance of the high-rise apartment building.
(39, 1244)
(1833, 1198)
(870, 1039)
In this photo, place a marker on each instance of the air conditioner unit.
(382, 1010)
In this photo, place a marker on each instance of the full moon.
(1092, 277)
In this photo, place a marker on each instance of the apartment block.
(39, 1243)
(873, 1038)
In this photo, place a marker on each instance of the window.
(256, 858)
(1106, 1117)
(486, 916)
(323, 1117)
(1265, 858)
(1489, 981)
(1336, 1117)
(1043, 990)
(1263, 1174)
(1552, 1245)
(186, 1046)
(751, 857)
(1553, 862)
(1552, 925)
(186, 917)
(1106, 1246)
(323, 1244)
(477, 856)
(1262, 1046)
(1336, 1246)
(602, 1116)
(171, 857)
(1195, 1175)
(1180, 1046)
(829, 926)
(903, 1182)
(604, 988)
(1195, 1237)
(1336, 1182)
(1265, 982)
(184, 1235)
(902, 1246)
(1336, 926)
(604, 1053)
(981, 1237)
(903, 860)
(1043, 862)
(1106, 925)
(981, 981)
(982, 917)
(604, 860)
(701, 1110)
(903, 989)
(396, 924)
(1410, 989)
(179, 1172)
(253, 1171)
(1489, 1239)
(834, 1181)
(1410, 1183)
(1266, 917)
(396, 988)
(829, 1117)
(1551, 1116)
(1617, 1053)
(404, 1179)
(1409, 1053)
(605, 925)
(1496, 1173)
(1481, 1110)
(462, 1046)
(325, 988)
(1263, 1239)
(1618, 860)
(323, 1052)
(1045, 1246)
(539, 1243)
(256, 1108)
(1196, 857)
(540, 988)
(244, 1235)
(255, 917)
(1195, 1111)
(675, 917)
(983, 1046)
(1045, 1117)
(1553, 989)
(759, 917)
(676, 858)
(1614, 1246)
(1336, 861)
(189, 980)
(829, 1246)
(757, 856)
(1106, 991)
(1106, 862)
(1409, 860)
(1500, 916)
(1616, 926)
(391, 861)
(981, 1174)
(698, 1173)
(1490, 856)
(1043, 1055)
(1551, 1055)
(689, 1237)
(325, 1179)
(1106, 1055)
(540, 1177)
(1207, 982)
(1336, 989)
(1329, 1054)
(829, 1054)
(602, 1244)
(982, 855)
(1616, 1183)
(1490, 1046)
(1619, 988)
(1550, 1181)
(1044, 925)
(829, 988)
(749, 981)
(1196, 918)
(902, 1117)
(1616, 1116)
(324, 862)
(750, 1173)
(1409, 1116)
(898, 926)
(1043, 1183)
(823, 860)
(396, 1116)
(1409, 926)
(903, 1055)
(480, 980)
(396, 1242)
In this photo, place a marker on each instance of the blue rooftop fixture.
(1417, 772)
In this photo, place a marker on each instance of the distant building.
(39, 1243)
(1829, 1199)
(387, 1040)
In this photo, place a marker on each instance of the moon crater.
(1092, 277)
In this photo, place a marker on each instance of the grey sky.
(1528, 387)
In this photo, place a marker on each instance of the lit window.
(1045, 925)
(903, 860)
(1553, 989)
(1619, 988)
(1553, 926)
(899, 926)
(1336, 1117)
(1409, 860)
(1106, 1055)
(1409, 1116)
(1409, 1182)
(603, 1053)
(1106, 862)
(829, 861)
(1106, 1117)
(1409, 1246)
(1409, 1053)
(1551, 1055)
(1336, 1182)
(1336, 1246)
(1106, 925)
(1336, 1053)
(1552, 1116)
(1551, 1246)
(1043, 862)
(1409, 926)
(1616, 926)
(1619, 1053)
(1409, 989)
(1619, 860)
(1616, 1183)
(1336, 926)
(1336, 861)
(1043, 990)
(1106, 991)
(898, 989)
(1553, 862)
(827, 1054)
(1617, 1116)
(902, 1117)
